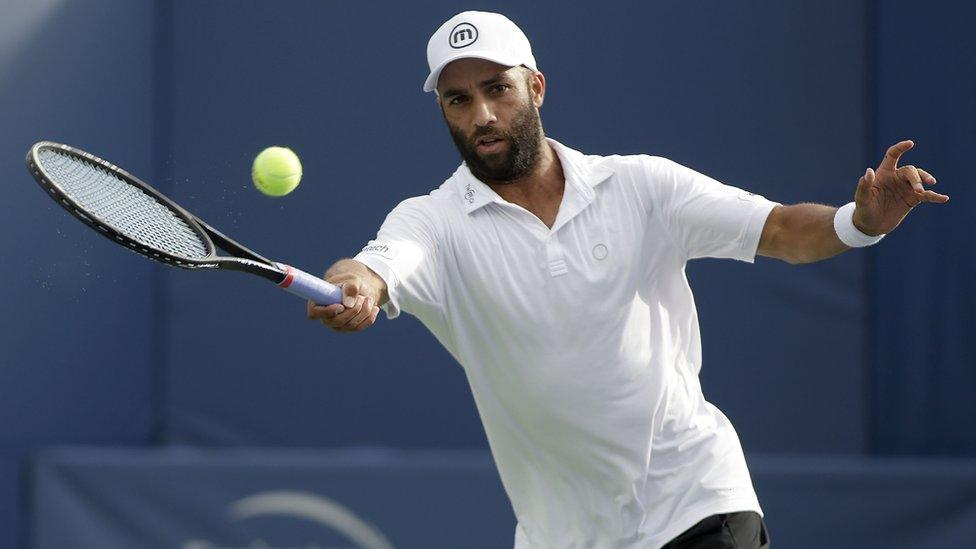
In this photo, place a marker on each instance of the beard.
(522, 154)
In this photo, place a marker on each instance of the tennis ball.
(276, 171)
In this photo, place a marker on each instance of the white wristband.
(847, 232)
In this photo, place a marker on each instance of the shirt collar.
(580, 171)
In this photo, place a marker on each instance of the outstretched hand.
(357, 311)
(884, 197)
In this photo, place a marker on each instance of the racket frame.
(246, 260)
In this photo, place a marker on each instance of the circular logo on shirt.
(600, 252)
(464, 34)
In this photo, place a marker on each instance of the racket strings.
(122, 206)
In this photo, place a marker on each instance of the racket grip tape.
(310, 287)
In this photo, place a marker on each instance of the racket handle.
(310, 287)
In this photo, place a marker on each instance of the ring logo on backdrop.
(301, 505)
(464, 34)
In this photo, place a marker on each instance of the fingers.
(927, 178)
(910, 175)
(355, 313)
(363, 309)
(323, 312)
(369, 321)
(361, 315)
(366, 318)
(863, 185)
(350, 291)
(915, 177)
(932, 196)
(890, 161)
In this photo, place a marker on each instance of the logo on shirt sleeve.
(381, 250)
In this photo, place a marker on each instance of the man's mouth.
(489, 144)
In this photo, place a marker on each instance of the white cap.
(479, 34)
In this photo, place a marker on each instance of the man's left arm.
(804, 233)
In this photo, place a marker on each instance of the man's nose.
(484, 115)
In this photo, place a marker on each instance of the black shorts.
(744, 530)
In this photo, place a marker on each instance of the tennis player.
(557, 280)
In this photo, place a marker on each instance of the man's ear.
(537, 88)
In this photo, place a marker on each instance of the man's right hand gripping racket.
(131, 213)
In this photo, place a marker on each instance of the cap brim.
(431, 83)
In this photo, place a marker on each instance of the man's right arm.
(363, 291)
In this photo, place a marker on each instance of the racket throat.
(267, 270)
(231, 246)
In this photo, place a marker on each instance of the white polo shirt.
(581, 342)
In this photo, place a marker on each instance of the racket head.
(120, 206)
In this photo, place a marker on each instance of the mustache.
(487, 131)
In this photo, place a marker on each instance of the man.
(557, 280)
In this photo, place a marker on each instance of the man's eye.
(456, 100)
(499, 88)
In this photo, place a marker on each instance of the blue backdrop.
(924, 354)
(203, 499)
(76, 343)
(868, 353)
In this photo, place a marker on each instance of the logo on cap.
(464, 34)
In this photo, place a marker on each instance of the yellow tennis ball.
(276, 171)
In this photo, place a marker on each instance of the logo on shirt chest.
(600, 251)
(469, 193)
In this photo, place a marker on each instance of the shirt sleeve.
(405, 255)
(707, 218)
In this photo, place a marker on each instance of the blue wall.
(82, 309)
(924, 359)
(77, 345)
(165, 497)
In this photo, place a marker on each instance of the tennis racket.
(131, 213)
